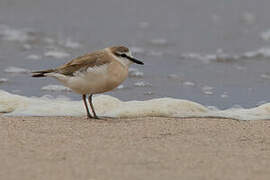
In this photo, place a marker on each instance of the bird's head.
(123, 53)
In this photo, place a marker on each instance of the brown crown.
(119, 49)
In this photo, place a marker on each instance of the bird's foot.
(93, 117)
(89, 117)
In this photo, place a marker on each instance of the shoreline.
(137, 148)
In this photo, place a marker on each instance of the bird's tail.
(42, 73)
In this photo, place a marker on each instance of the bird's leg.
(86, 107)
(92, 107)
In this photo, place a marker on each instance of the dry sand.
(66, 148)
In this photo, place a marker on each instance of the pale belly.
(93, 85)
(93, 82)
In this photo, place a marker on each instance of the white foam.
(248, 18)
(131, 69)
(142, 84)
(133, 72)
(27, 46)
(53, 87)
(3, 80)
(203, 58)
(220, 56)
(11, 34)
(265, 76)
(70, 44)
(16, 105)
(56, 54)
(188, 83)
(265, 35)
(121, 86)
(207, 90)
(33, 57)
(136, 74)
(148, 93)
(174, 77)
(136, 49)
(224, 95)
(105, 105)
(241, 68)
(159, 42)
(262, 52)
(18, 70)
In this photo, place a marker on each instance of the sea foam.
(108, 106)
(52, 87)
(58, 54)
(3, 80)
(220, 56)
(18, 70)
(10, 34)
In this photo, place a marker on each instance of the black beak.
(132, 59)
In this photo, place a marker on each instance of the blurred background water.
(215, 52)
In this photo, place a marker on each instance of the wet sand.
(142, 148)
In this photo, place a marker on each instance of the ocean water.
(214, 52)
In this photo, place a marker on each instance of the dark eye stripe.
(121, 55)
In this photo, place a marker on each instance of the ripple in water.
(68, 43)
(137, 50)
(265, 76)
(18, 70)
(224, 95)
(10, 34)
(142, 84)
(53, 87)
(188, 83)
(33, 57)
(220, 56)
(207, 90)
(265, 35)
(134, 72)
(56, 54)
(159, 42)
(3, 80)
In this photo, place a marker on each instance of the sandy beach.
(142, 148)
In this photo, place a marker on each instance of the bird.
(93, 73)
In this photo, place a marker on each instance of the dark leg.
(92, 107)
(86, 107)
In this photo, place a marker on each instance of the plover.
(93, 73)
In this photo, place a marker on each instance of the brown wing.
(83, 62)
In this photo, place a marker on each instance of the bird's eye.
(121, 54)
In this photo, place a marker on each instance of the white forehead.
(129, 53)
(122, 60)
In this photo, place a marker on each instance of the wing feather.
(82, 63)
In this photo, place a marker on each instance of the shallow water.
(215, 53)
